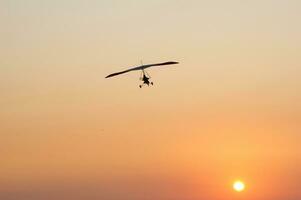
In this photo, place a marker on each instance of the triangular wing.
(159, 64)
(141, 68)
(117, 73)
(125, 71)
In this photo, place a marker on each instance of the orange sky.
(230, 110)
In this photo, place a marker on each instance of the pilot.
(145, 79)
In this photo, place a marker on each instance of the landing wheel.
(152, 83)
(140, 86)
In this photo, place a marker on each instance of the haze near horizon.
(229, 111)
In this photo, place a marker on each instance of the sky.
(230, 110)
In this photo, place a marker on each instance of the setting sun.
(205, 105)
(238, 186)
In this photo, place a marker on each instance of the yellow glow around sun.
(238, 186)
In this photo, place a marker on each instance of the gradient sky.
(230, 110)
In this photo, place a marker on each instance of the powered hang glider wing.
(142, 67)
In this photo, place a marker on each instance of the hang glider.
(145, 77)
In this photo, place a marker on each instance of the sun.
(238, 186)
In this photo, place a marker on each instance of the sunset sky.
(231, 110)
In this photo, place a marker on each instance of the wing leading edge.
(142, 67)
